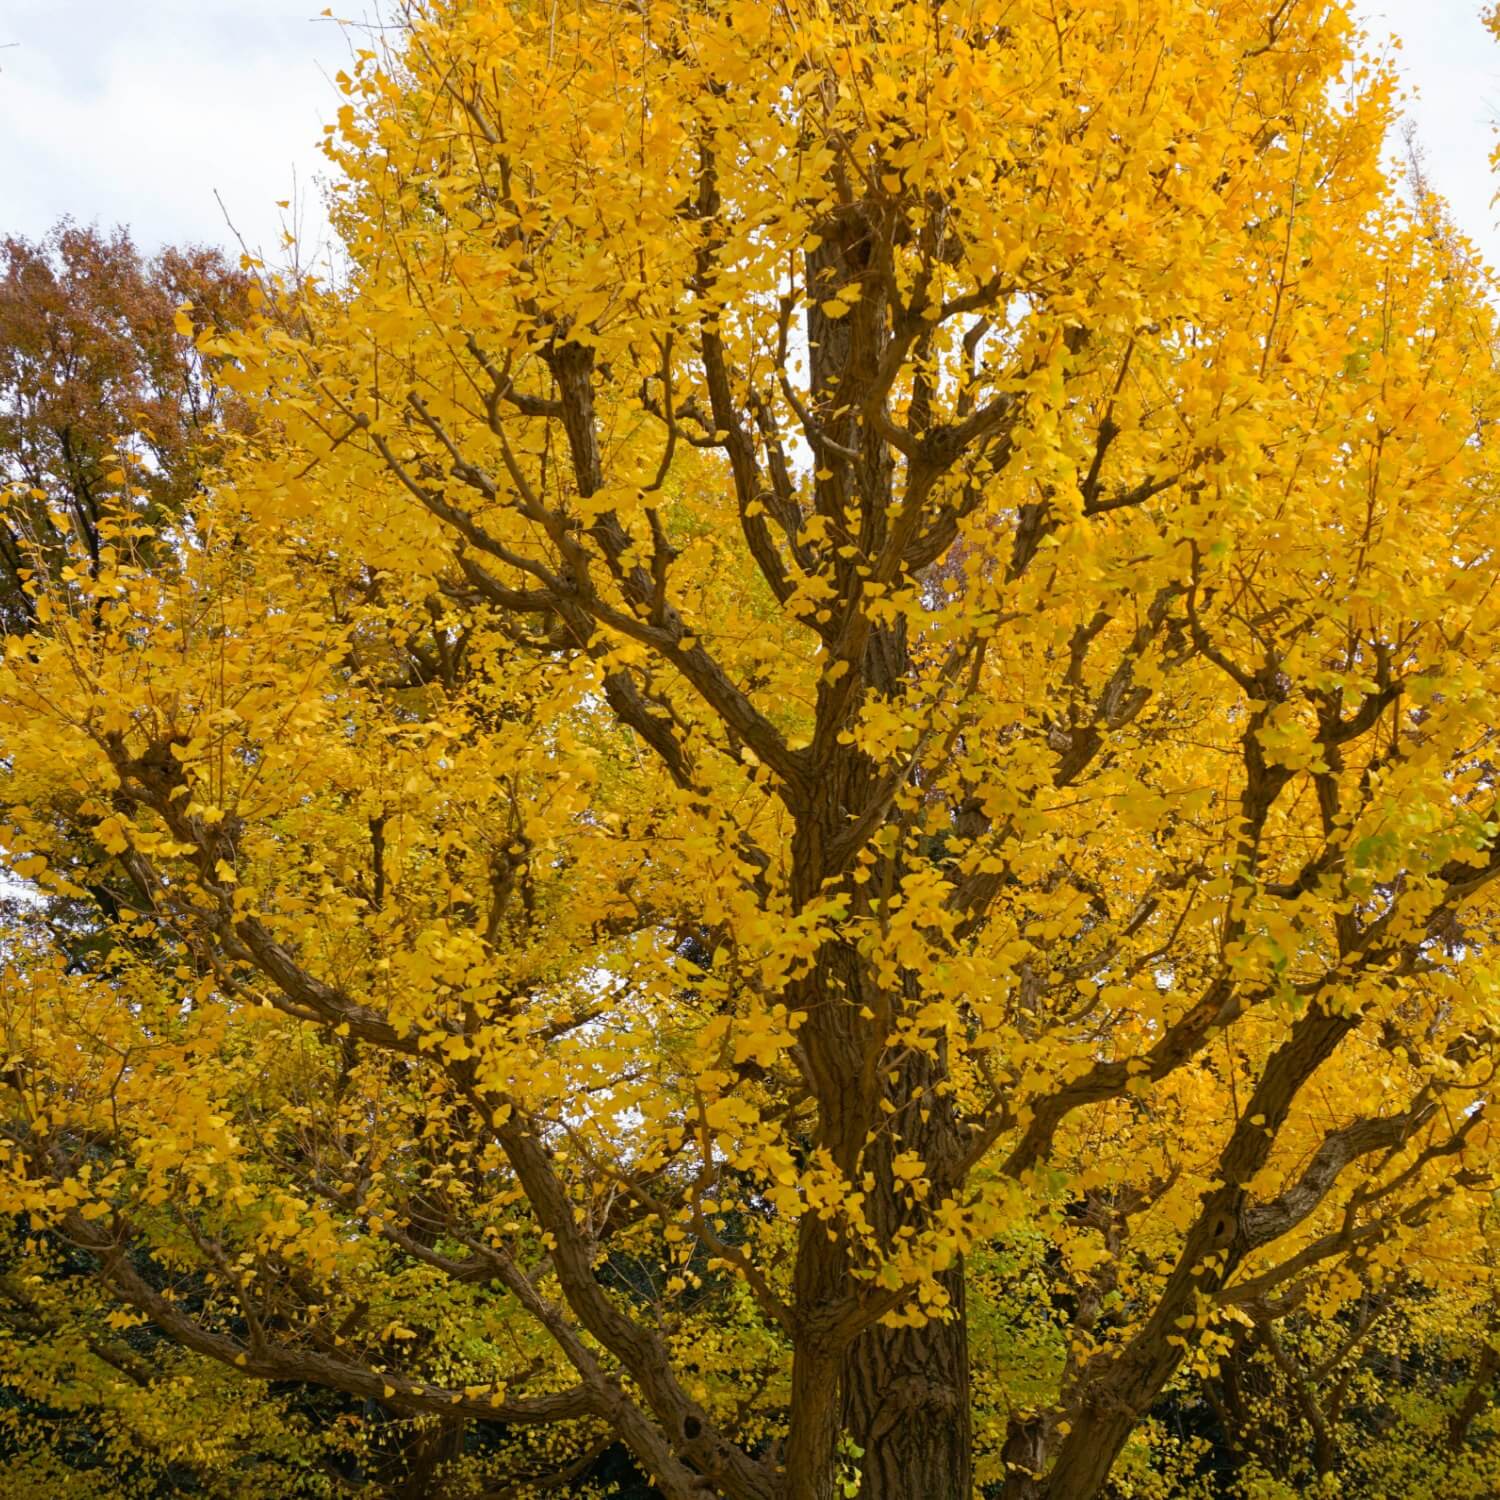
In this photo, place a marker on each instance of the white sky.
(1451, 66)
(135, 111)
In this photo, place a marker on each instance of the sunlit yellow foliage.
(856, 640)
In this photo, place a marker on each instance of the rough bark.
(906, 1390)
(906, 1404)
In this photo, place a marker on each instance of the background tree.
(869, 643)
(107, 408)
(103, 395)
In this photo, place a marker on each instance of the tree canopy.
(811, 794)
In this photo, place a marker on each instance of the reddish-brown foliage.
(102, 399)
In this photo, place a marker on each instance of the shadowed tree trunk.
(907, 1392)
(906, 1402)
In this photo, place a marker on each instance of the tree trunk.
(812, 1442)
(1024, 1456)
(906, 1403)
(903, 1396)
(906, 1391)
(1475, 1398)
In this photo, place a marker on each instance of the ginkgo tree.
(859, 640)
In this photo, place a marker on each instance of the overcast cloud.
(135, 111)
